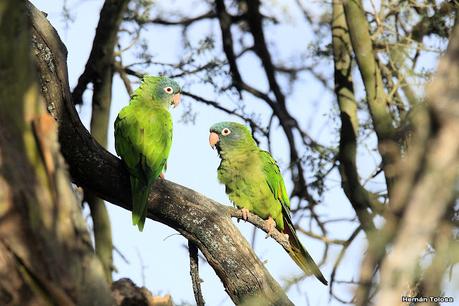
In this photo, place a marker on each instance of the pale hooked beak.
(213, 139)
(176, 100)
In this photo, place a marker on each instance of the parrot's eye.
(226, 132)
(168, 89)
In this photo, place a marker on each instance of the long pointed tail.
(139, 190)
(301, 256)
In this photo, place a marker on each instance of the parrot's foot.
(270, 225)
(161, 175)
(245, 213)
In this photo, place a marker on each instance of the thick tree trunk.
(428, 185)
(99, 71)
(46, 254)
(423, 197)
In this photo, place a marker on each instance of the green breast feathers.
(143, 138)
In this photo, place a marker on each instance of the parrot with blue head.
(143, 137)
(254, 184)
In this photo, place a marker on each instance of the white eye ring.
(168, 89)
(226, 132)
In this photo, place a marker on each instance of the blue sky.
(158, 258)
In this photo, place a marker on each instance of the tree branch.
(214, 104)
(344, 90)
(199, 219)
(340, 257)
(359, 33)
(194, 272)
(227, 40)
(288, 123)
(100, 67)
(182, 22)
(255, 21)
(101, 55)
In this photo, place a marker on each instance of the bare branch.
(123, 75)
(341, 256)
(261, 224)
(194, 272)
(216, 105)
(350, 181)
(376, 97)
(181, 22)
(227, 40)
(103, 46)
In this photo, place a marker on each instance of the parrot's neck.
(237, 153)
(236, 162)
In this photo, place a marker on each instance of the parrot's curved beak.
(176, 100)
(213, 139)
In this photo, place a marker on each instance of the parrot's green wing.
(276, 184)
(125, 137)
(274, 179)
(143, 137)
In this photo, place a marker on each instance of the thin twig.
(261, 224)
(121, 255)
(194, 272)
(341, 256)
(226, 110)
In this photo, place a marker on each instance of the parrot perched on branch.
(143, 137)
(254, 184)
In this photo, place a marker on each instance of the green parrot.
(254, 184)
(143, 137)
